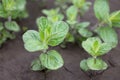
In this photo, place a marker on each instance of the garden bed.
(15, 60)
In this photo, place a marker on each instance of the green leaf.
(12, 26)
(44, 29)
(83, 65)
(101, 9)
(82, 29)
(58, 33)
(96, 64)
(32, 41)
(70, 38)
(2, 12)
(83, 25)
(79, 3)
(36, 65)
(85, 32)
(115, 18)
(108, 35)
(71, 17)
(20, 4)
(42, 23)
(51, 60)
(104, 48)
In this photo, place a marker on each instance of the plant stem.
(101, 24)
(44, 51)
(9, 19)
(97, 25)
(94, 60)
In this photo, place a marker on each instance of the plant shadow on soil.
(15, 60)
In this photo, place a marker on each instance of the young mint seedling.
(53, 15)
(11, 9)
(95, 48)
(49, 34)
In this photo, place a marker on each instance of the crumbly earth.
(15, 60)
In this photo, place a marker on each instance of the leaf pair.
(51, 60)
(82, 29)
(53, 15)
(48, 35)
(95, 47)
(93, 64)
(12, 26)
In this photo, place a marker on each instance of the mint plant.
(49, 34)
(95, 48)
(106, 22)
(105, 29)
(11, 9)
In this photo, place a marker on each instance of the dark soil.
(15, 60)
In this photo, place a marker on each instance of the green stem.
(44, 51)
(9, 19)
(101, 24)
(95, 60)
(98, 25)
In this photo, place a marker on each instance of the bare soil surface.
(15, 60)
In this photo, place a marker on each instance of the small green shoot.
(95, 48)
(49, 34)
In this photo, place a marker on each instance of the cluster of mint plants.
(62, 25)
(106, 39)
(48, 34)
(11, 10)
(71, 12)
